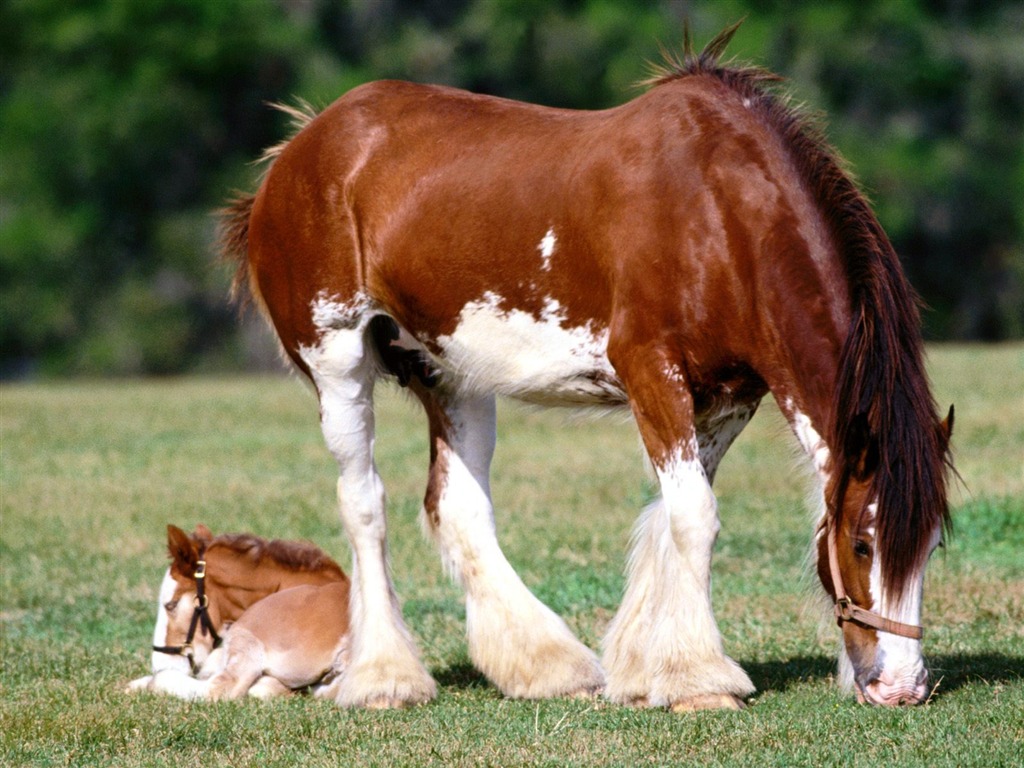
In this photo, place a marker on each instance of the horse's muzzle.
(905, 692)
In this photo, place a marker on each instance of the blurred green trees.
(123, 124)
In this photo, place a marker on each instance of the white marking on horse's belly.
(537, 359)
(547, 248)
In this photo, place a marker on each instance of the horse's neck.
(238, 583)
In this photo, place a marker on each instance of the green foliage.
(93, 471)
(123, 124)
(115, 119)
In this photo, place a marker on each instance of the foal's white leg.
(385, 669)
(663, 647)
(519, 643)
(175, 683)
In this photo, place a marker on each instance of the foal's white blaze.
(547, 249)
(536, 358)
(163, 661)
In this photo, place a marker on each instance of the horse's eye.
(861, 549)
(169, 607)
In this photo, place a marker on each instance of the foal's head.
(184, 638)
(873, 547)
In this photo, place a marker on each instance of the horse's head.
(872, 553)
(189, 614)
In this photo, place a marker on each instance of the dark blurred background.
(124, 124)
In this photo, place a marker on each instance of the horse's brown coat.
(703, 238)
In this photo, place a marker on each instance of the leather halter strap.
(847, 610)
(200, 617)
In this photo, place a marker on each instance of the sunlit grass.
(90, 474)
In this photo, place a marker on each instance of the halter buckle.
(843, 610)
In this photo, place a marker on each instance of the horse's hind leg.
(384, 669)
(523, 647)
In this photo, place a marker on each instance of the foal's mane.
(290, 555)
(883, 426)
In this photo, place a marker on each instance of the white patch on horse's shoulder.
(534, 357)
(547, 248)
(674, 374)
(813, 444)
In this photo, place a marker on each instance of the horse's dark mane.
(292, 555)
(882, 405)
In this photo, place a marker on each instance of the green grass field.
(92, 472)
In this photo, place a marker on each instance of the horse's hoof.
(390, 702)
(708, 701)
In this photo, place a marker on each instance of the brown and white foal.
(281, 607)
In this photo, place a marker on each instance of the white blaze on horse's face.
(166, 628)
(173, 617)
(884, 668)
(898, 674)
(538, 358)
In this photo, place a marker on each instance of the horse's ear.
(946, 429)
(182, 549)
(202, 534)
(861, 447)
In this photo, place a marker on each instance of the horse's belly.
(539, 358)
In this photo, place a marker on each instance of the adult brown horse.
(683, 254)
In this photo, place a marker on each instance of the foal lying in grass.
(282, 608)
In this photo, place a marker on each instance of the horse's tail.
(234, 219)
(234, 247)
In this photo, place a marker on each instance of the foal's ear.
(946, 429)
(202, 534)
(182, 550)
(861, 447)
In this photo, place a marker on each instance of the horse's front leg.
(520, 644)
(385, 669)
(663, 647)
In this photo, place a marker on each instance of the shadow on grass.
(953, 670)
(778, 676)
(461, 675)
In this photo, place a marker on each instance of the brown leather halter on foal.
(200, 616)
(847, 610)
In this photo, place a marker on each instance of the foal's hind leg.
(522, 646)
(384, 669)
(663, 648)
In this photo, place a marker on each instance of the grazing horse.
(683, 254)
(282, 607)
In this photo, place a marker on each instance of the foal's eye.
(861, 549)
(169, 607)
